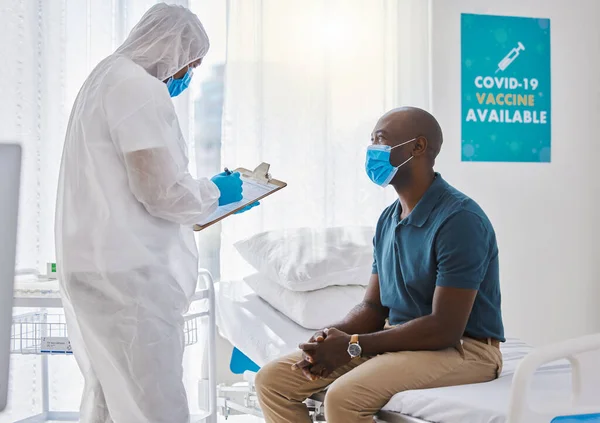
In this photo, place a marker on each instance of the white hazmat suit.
(126, 252)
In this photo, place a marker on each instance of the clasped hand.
(325, 351)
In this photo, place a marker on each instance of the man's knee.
(271, 378)
(263, 377)
(339, 400)
(278, 379)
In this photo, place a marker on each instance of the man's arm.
(441, 329)
(464, 248)
(368, 316)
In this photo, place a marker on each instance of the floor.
(234, 419)
(242, 419)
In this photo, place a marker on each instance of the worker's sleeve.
(144, 128)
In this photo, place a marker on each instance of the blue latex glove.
(230, 186)
(248, 207)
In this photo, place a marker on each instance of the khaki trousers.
(358, 390)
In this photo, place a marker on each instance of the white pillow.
(307, 259)
(311, 310)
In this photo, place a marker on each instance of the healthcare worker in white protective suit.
(126, 252)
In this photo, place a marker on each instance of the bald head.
(407, 123)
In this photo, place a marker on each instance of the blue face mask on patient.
(378, 166)
(177, 86)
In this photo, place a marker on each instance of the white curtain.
(48, 48)
(306, 81)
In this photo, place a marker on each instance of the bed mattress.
(267, 334)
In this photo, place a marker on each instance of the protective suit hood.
(165, 40)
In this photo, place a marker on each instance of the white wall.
(544, 214)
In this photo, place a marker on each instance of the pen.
(227, 171)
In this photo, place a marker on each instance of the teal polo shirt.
(447, 240)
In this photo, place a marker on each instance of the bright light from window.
(335, 33)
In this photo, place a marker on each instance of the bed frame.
(583, 353)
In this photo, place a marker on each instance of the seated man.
(431, 313)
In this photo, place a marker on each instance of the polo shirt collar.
(418, 217)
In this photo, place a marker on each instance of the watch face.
(354, 350)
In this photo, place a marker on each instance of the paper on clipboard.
(257, 185)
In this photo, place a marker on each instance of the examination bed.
(541, 390)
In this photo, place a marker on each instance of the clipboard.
(257, 184)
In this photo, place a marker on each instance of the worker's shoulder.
(124, 78)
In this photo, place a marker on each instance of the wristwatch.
(354, 349)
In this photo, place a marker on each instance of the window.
(306, 82)
(55, 46)
(207, 111)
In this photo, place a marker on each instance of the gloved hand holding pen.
(230, 187)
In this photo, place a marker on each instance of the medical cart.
(44, 333)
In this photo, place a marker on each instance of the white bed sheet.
(267, 334)
(486, 402)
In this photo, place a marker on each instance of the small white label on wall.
(56, 345)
